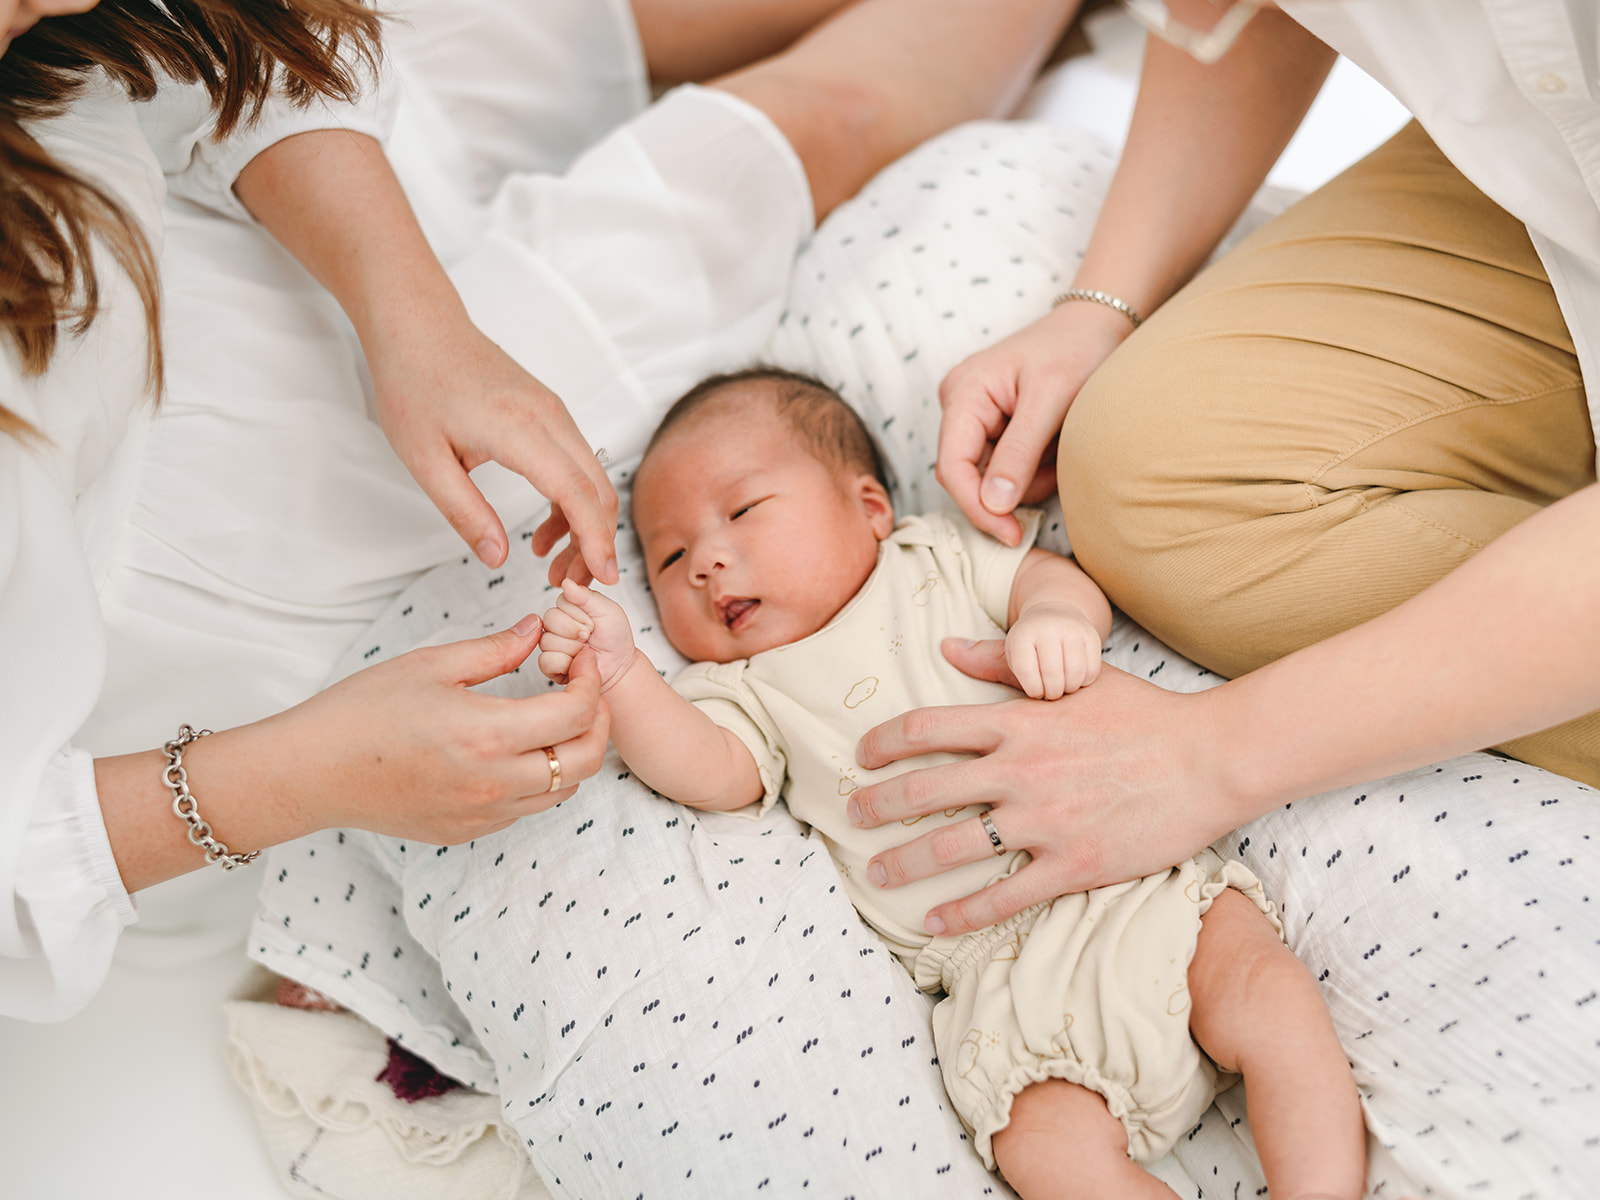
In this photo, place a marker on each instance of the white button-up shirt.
(1509, 90)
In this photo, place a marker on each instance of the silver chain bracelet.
(1110, 301)
(183, 803)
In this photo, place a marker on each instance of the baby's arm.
(1059, 620)
(667, 742)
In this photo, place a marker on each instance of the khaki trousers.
(1362, 395)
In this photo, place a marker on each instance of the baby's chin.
(719, 645)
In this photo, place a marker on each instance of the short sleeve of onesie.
(993, 565)
(719, 690)
(724, 693)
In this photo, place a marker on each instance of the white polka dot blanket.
(676, 1004)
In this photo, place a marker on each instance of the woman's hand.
(405, 748)
(1110, 783)
(449, 399)
(1003, 410)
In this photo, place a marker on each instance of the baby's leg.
(1258, 1012)
(1062, 1142)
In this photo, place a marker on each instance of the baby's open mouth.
(735, 609)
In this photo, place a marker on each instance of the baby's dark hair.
(818, 415)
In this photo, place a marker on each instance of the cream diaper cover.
(1091, 988)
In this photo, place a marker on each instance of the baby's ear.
(875, 503)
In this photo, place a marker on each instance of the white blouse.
(64, 505)
(213, 564)
(1509, 90)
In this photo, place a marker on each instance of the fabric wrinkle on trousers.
(1357, 399)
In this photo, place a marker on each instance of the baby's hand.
(585, 618)
(1052, 649)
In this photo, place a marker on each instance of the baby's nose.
(707, 561)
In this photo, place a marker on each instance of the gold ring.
(555, 769)
(994, 834)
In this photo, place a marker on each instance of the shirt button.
(1551, 83)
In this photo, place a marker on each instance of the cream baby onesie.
(1091, 988)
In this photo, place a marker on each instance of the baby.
(1081, 1036)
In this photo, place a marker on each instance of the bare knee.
(1243, 980)
(690, 41)
(838, 126)
(1055, 1122)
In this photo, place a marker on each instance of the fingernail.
(488, 552)
(962, 643)
(877, 874)
(933, 924)
(525, 626)
(853, 811)
(999, 495)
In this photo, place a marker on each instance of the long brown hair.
(241, 52)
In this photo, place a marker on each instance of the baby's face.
(749, 541)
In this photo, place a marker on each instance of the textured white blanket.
(677, 1005)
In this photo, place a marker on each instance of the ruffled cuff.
(70, 901)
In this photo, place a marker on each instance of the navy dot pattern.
(668, 1003)
(1447, 913)
(664, 1008)
(587, 963)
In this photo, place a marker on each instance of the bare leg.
(881, 76)
(690, 41)
(1064, 1143)
(1257, 1011)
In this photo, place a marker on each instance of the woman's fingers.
(581, 499)
(982, 660)
(529, 722)
(943, 849)
(956, 845)
(1022, 445)
(551, 774)
(974, 416)
(993, 904)
(451, 400)
(927, 790)
(478, 660)
(569, 564)
(441, 476)
(579, 756)
(1107, 784)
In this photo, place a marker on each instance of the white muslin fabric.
(667, 1003)
(1448, 913)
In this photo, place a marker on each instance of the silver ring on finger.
(994, 834)
(555, 769)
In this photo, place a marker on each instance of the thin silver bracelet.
(1110, 301)
(184, 806)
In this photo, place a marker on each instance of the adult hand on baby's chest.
(1101, 786)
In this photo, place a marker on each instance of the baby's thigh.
(1449, 916)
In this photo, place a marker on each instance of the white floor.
(131, 1099)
